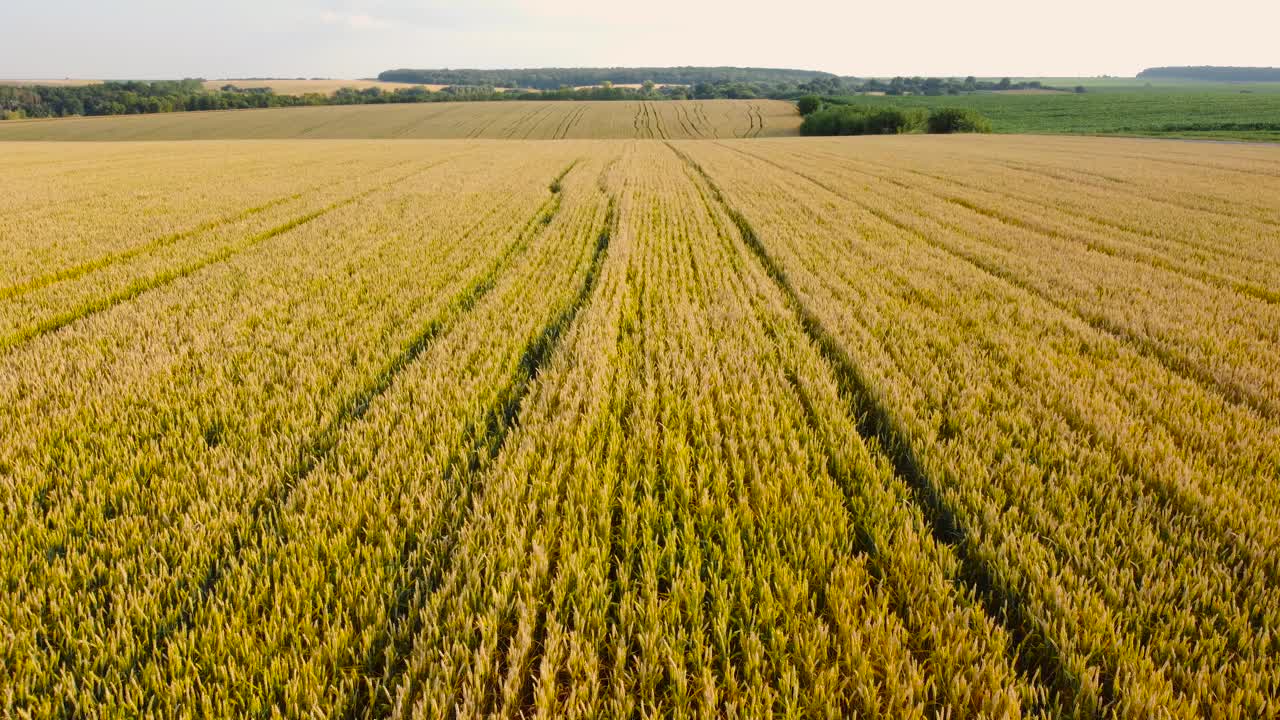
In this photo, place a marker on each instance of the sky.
(153, 39)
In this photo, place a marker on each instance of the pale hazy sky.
(359, 38)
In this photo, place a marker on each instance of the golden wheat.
(894, 427)
(501, 120)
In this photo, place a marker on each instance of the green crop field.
(895, 427)
(511, 120)
(1137, 84)
(1192, 110)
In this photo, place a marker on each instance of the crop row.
(1115, 499)
(180, 416)
(686, 521)
(900, 427)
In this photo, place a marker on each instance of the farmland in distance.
(508, 120)
(898, 427)
(323, 86)
(1219, 111)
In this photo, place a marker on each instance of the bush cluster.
(957, 120)
(863, 120)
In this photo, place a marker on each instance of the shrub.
(957, 120)
(809, 104)
(854, 120)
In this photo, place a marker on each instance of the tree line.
(134, 97)
(558, 78)
(141, 97)
(936, 86)
(709, 82)
(1213, 73)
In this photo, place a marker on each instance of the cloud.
(354, 21)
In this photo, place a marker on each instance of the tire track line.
(490, 437)
(657, 119)
(264, 513)
(1194, 509)
(875, 420)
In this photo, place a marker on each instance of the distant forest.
(555, 78)
(163, 96)
(1212, 73)
(703, 83)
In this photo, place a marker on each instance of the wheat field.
(499, 120)
(904, 427)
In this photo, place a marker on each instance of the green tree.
(957, 120)
(809, 104)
